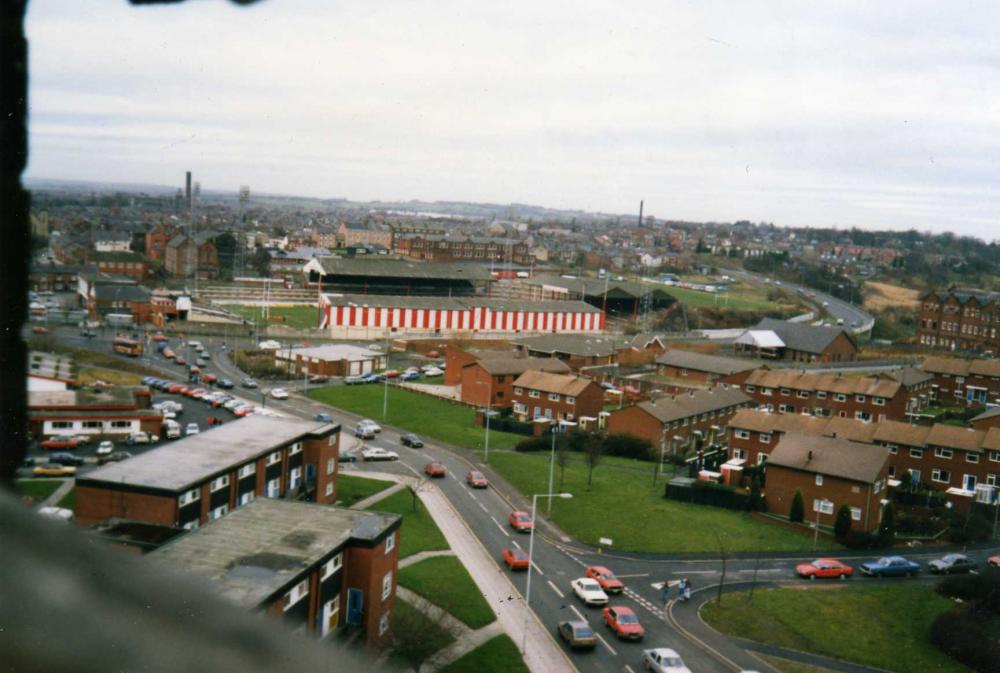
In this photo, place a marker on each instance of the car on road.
(376, 453)
(577, 634)
(323, 418)
(993, 561)
(890, 566)
(105, 448)
(192, 429)
(409, 376)
(318, 378)
(180, 360)
(248, 383)
(663, 660)
(364, 431)
(516, 559)
(176, 388)
(476, 479)
(824, 567)
(589, 591)
(115, 457)
(205, 355)
(201, 362)
(624, 622)
(411, 440)
(54, 470)
(949, 564)
(520, 521)
(370, 378)
(138, 438)
(435, 469)
(64, 458)
(279, 394)
(349, 456)
(606, 579)
(369, 422)
(60, 443)
(209, 378)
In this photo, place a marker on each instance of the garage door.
(355, 368)
(367, 364)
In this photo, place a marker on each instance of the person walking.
(687, 590)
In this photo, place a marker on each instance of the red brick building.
(187, 255)
(681, 421)
(829, 473)
(559, 397)
(202, 477)
(56, 278)
(704, 369)
(101, 413)
(129, 264)
(960, 318)
(353, 234)
(783, 340)
(489, 381)
(313, 567)
(964, 382)
(157, 239)
(986, 420)
(593, 350)
(440, 248)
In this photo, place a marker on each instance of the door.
(355, 606)
(329, 616)
(969, 482)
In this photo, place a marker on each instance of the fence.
(707, 493)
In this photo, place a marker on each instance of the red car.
(60, 443)
(476, 479)
(390, 374)
(623, 622)
(180, 360)
(38, 329)
(606, 578)
(993, 561)
(824, 567)
(209, 378)
(520, 521)
(174, 388)
(159, 337)
(516, 559)
(435, 469)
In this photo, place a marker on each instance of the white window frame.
(331, 566)
(941, 452)
(936, 475)
(295, 448)
(839, 397)
(893, 449)
(390, 542)
(518, 390)
(274, 457)
(331, 466)
(273, 487)
(383, 624)
(246, 498)
(860, 398)
(554, 397)
(822, 505)
(247, 470)
(916, 452)
(187, 497)
(819, 479)
(298, 592)
(219, 483)
(820, 394)
(739, 454)
(971, 457)
(328, 489)
(764, 437)
(387, 585)
(534, 394)
(741, 434)
(878, 401)
(219, 512)
(855, 514)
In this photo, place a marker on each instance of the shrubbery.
(625, 446)
(798, 510)
(961, 632)
(857, 539)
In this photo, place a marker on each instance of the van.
(172, 429)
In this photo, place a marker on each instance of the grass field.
(38, 489)
(883, 295)
(497, 655)
(883, 625)
(351, 489)
(419, 532)
(444, 581)
(623, 505)
(427, 416)
(88, 375)
(297, 317)
(786, 666)
(429, 636)
(739, 297)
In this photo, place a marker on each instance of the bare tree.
(562, 460)
(411, 629)
(723, 556)
(594, 451)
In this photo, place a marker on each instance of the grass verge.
(623, 504)
(88, 375)
(351, 489)
(38, 489)
(497, 655)
(424, 415)
(297, 317)
(786, 666)
(881, 625)
(68, 501)
(444, 581)
(416, 636)
(419, 532)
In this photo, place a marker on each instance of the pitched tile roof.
(553, 383)
(676, 407)
(876, 386)
(830, 456)
(954, 437)
(506, 363)
(800, 336)
(701, 362)
(943, 365)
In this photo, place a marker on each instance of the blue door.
(310, 473)
(355, 605)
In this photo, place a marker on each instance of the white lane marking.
(516, 544)
(483, 507)
(635, 575)
(628, 669)
(605, 643)
(537, 569)
(556, 589)
(578, 614)
(471, 495)
(502, 529)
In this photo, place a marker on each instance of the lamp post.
(552, 470)
(819, 510)
(385, 380)
(531, 550)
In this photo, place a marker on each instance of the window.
(387, 585)
(93, 425)
(740, 454)
(383, 624)
(863, 416)
(856, 514)
(972, 457)
(916, 453)
(274, 488)
(786, 392)
(295, 448)
(821, 394)
(274, 457)
(121, 424)
(786, 408)
(995, 456)
(220, 483)
(294, 478)
(822, 412)
(822, 506)
(767, 391)
(991, 479)
(298, 592)
(878, 401)
(819, 479)
(765, 438)
(839, 397)
(246, 497)
(570, 400)
(553, 397)
(761, 458)
(859, 398)
(518, 390)
(247, 470)
(390, 542)
(802, 394)
(741, 434)
(189, 496)
(331, 566)
(943, 453)
(219, 512)
(751, 388)
(329, 489)
(942, 476)
(534, 394)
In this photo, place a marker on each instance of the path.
(57, 495)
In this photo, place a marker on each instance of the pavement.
(58, 494)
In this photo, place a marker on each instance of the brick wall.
(94, 505)
(782, 483)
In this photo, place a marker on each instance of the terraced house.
(964, 382)
(558, 397)
(960, 319)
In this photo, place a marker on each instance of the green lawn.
(497, 655)
(351, 489)
(444, 581)
(419, 532)
(740, 297)
(427, 416)
(38, 489)
(623, 505)
(68, 501)
(298, 317)
(879, 624)
(417, 636)
(786, 666)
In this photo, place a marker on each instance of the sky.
(869, 114)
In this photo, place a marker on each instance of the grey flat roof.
(185, 462)
(713, 364)
(400, 268)
(333, 352)
(255, 551)
(575, 344)
(458, 303)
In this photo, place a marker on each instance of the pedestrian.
(687, 590)
(665, 592)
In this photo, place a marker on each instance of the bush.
(972, 528)
(857, 539)
(842, 526)
(798, 511)
(960, 634)
(983, 587)
(709, 493)
(628, 446)
(887, 528)
(756, 501)
(539, 443)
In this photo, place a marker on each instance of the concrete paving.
(422, 555)
(58, 494)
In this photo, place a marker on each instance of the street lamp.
(819, 505)
(489, 411)
(531, 550)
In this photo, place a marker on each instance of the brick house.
(357, 234)
(199, 478)
(829, 472)
(157, 239)
(593, 350)
(960, 318)
(52, 277)
(681, 421)
(538, 394)
(440, 248)
(783, 340)
(964, 382)
(187, 255)
(129, 264)
(330, 360)
(986, 420)
(489, 380)
(313, 567)
(702, 368)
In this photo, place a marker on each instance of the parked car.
(180, 360)
(138, 438)
(663, 660)
(890, 566)
(624, 622)
(520, 521)
(516, 559)
(192, 429)
(248, 383)
(60, 443)
(224, 383)
(53, 470)
(318, 378)
(364, 431)
(64, 458)
(589, 591)
(433, 371)
(606, 579)
(411, 441)
(577, 634)
(279, 394)
(353, 380)
(209, 378)
(105, 447)
(435, 469)
(476, 479)
(948, 564)
(113, 457)
(390, 374)
(323, 418)
(350, 456)
(376, 453)
(409, 376)
(371, 378)
(824, 567)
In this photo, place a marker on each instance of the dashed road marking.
(649, 605)
(556, 589)
(516, 544)
(537, 569)
(483, 507)
(502, 529)
(605, 643)
(578, 613)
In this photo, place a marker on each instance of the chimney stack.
(809, 456)
(187, 189)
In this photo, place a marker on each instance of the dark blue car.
(890, 566)
(323, 418)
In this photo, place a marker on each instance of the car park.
(589, 591)
(53, 470)
(180, 360)
(409, 376)
(232, 404)
(363, 431)
(371, 378)
(192, 429)
(115, 457)
(950, 564)
(318, 378)
(663, 660)
(577, 634)
(369, 422)
(390, 374)
(244, 410)
(224, 383)
(353, 380)
(890, 566)
(623, 622)
(279, 394)
(60, 443)
(64, 458)
(105, 448)
(476, 479)
(516, 559)
(209, 378)
(139, 438)
(824, 567)
(520, 521)
(411, 441)
(606, 579)
(376, 453)
(435, 469)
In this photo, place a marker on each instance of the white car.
(279, 394)
(664, 660)
(589, 591)
(139, 438)
(169, 415)
(192, 429)
(376, 453)
(106, 447)
(370, 423)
